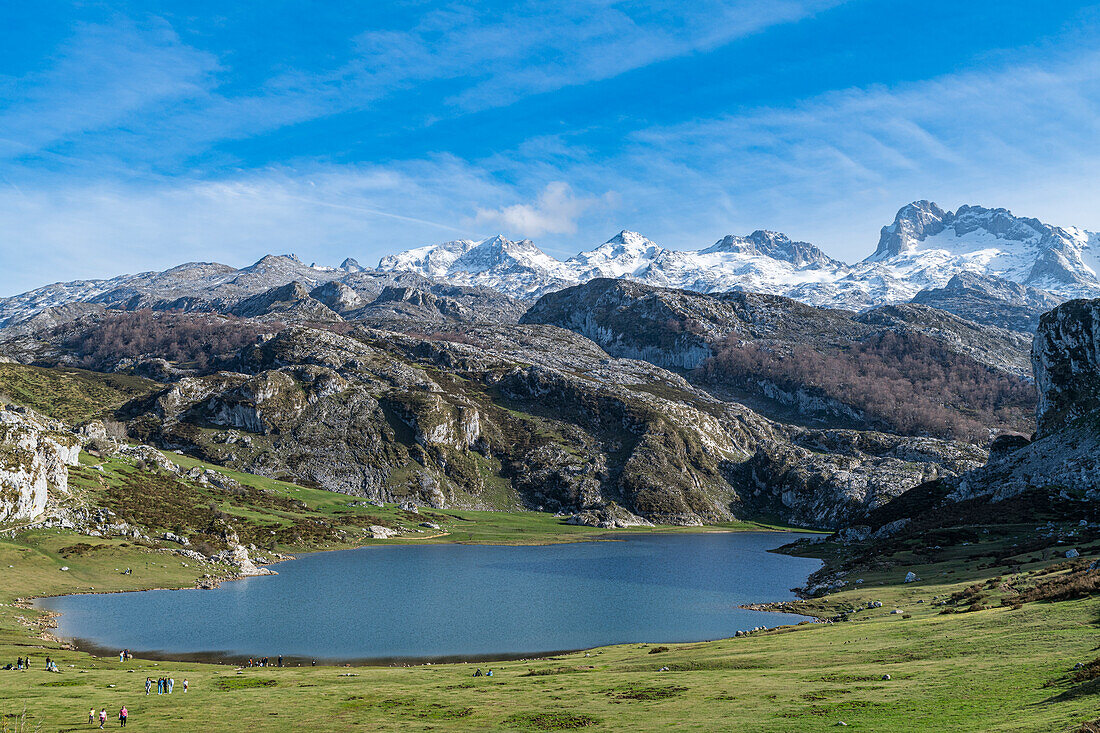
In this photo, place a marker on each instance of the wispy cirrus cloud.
(102, 78)
(116, 155)
(1022, 135)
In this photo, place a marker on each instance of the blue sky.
(135, 136)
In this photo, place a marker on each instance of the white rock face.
(237, 554)
(35, 454)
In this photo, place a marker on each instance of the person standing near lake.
(148, 684)
(185, 684)
(280, 660)
(171, 684)
(122, 715)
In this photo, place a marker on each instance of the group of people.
(125, 655)
(123, 713)
(165, 685)
(479, 673)
(265, 662)
(25, 664)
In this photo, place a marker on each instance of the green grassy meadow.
(996, 669)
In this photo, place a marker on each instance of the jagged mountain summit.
(1005, 261)
(924, 248)
(927, 245)
(762, 262)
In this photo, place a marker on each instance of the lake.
(447, 602)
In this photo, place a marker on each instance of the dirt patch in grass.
(242, 683)
(1090, 671)
(80, 548)
(643, 692)
(551, 721)
(658, 649)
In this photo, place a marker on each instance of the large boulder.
(1066, 359)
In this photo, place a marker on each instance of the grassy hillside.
(285, 517)
(72, 395)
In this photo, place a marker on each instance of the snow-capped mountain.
(190, 286)
(921, 251)
(763, 261)
(627, 254)
(518, 268)
(926, 246)
(923, 248)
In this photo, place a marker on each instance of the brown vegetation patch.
(905, 382)
(647, 693)
(551, 721)
(1073, 585)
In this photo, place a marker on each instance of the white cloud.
(830, 169)
(554, 212)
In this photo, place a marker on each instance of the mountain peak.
(913, 223)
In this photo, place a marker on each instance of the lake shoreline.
(94, 648)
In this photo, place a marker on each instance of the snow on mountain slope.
(627, 254)
(922, 249)
(431, 261)
(926, 246)
(764, 262)
(194, 284)
(519, 269)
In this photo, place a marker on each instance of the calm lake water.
(388, 603)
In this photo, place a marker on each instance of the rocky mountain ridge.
(1055, 473)
(782, 350)
(918, 258)
(924, 248)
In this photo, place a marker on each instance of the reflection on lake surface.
(458, 601)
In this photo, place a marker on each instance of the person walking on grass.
(171, 684)
(185, 684)
(148, 684)
(103, 717)
(122, 715)
(91, 717)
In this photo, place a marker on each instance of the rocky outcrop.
(990, 301)
(1064, 458)
(292, 300)
(770, 347)
(1059, 470)
(1066, 359)
(337, 296)
(35, 454)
